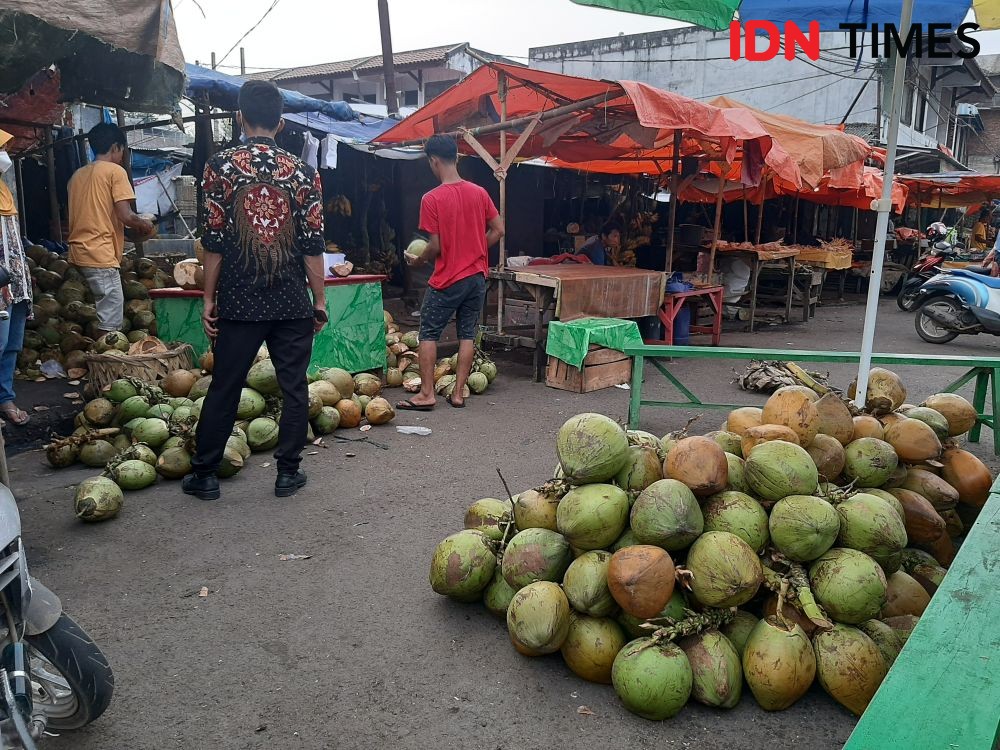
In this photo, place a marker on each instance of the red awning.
(951, 189)
(619, 127)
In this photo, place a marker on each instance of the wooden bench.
(943, 692)
(985, 371)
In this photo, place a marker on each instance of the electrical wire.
(267, 12)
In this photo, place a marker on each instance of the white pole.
(884, 207)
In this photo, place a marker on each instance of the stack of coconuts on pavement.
(798, 544)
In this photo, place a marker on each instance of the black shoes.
(204, 488)
(287, 485)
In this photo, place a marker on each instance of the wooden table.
(672, 303)
(568, 292)
(758, 259)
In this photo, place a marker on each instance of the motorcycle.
(924, 269)
(957, 302)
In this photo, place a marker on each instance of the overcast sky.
(304, 32)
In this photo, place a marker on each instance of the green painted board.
(943, 692)
(354, 339)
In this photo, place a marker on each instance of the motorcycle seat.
(990, 281)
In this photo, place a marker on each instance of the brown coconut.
(793, 409)
(968, 475)
(940, 494)
(953, 525)
(700, 464)
(766, 433)
(828, 455)
(835, 418)
(350, 412)
(379, 411)
(179, 383)
(792, 614)
(867, 426)
(641, 579)
(888, 420)
(886, 391)
(960, 414)
(942, 549)
(904, 596)
(914, 441)
(742, 419)
(809, 393)
(924, 525)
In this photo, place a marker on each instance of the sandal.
(13, 414)
(454, 405)
(410, 406)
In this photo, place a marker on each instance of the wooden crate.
(602, 368)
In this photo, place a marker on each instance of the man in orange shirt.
(100, 196)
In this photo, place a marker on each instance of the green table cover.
(354, 339)
(571, 341)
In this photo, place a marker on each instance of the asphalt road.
(350, 648)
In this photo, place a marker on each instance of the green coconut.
(674, 610)
(803, 527)
(153, 432)
(737, 481)
(591, 646)
(462, 565)
(490, 516)
(871, 525)
(667, 514)
(538, 618)
(133, 407)
(120, 390)
(885, 638)
(142, 452)
(653, 679)
(489, 369)
(889, 498)
(643, 439)
(59, 457)
(97, 499)
(849, 666)
(715, 667)
(536, 509)
(642, 467)
(902, 625)
(174, 463)
(173, 442)
(738, 514)
(478, 382)
(134, 475)
(498, 594)
(251, 404)
(586, 584)
(326, 421)
(262, 434)
(738, 630)
(591, 448)
(99, 412)
(160, 411)
(263, 379)
(232, 463)
(121, 442)
(778, 664)
(182, 414)
(726, 571)
(593, 516)
(932, 418)
(849, 585)
(238, 444)
(870, 462)
(536, 555)
(341, 379)
(777, 469)
(730, 442)
(96, 453)
(200, 388)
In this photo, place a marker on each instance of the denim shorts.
(463, 300)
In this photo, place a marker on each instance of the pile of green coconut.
(64, 321)
(402, 368)
(136, 431)
(799, 543)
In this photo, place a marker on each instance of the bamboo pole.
(502, 257)
(674, 182)
(718, 229)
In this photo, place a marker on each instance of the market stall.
(353, 340)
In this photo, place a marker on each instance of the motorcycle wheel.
(907, 298)
(71, 680)
(930, 331)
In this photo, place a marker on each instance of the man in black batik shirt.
(263, 240)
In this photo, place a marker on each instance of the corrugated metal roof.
(368, 64)
(864, 130)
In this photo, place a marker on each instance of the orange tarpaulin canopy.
(626, 127)
(951, 189)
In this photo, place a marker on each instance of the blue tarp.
(361, 132)
(831, 14)
(223, 91)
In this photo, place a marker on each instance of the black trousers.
(290, 345)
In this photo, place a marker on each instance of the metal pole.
(502, 257)
(243, 62)
(213, 61)
(55, 220)
(674, 183)
(388, 71)
(884, 207)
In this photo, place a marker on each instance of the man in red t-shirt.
(463, 224)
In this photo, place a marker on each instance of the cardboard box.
(602, 368)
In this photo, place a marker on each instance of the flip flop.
(410, 406)
(453, 404)
(14, 414)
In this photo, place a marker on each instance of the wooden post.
(19, 181)
(55, 220)
(502, 256)
(718, 228)
(388, 70)
(746, 217)
(760, 216)
(120, 116)
(675, 182)
(795, 223)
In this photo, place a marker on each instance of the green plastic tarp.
(712, 14)
(354, 339)
(571, 341)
